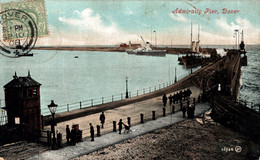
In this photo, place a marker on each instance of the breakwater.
(122, 49)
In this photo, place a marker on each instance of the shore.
(188, 139)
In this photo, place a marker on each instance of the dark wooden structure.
(22, 101)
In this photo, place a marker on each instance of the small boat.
(24, 55)
(76, 57)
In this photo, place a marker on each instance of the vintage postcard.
(119, 79)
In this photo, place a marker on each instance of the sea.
(99, 77)
(250, 89)
(92, 78)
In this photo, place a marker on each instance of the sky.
(78, 22)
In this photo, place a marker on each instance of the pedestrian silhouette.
(68, 134)
(91, 132)
(164, 99)
(183, 112)
(170, 100)
(73, 136)
(174, 98)
(120, 126)
(102, 119)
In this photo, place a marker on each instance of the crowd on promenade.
(180, 97)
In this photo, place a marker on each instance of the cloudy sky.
(78, 22)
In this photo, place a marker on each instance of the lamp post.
(237, 37)
(52, 107)
(126, 93)
(175, 80)
(155, 39)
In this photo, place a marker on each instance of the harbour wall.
(122, 49)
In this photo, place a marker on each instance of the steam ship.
(146, 50)
(193, 58)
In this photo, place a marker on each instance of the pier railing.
(116, 97)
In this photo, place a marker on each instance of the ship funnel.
(130, 45)
(193, 46)
(198, 47)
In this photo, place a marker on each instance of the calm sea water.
(93, 75)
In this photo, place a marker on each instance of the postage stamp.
(36, 10)
(21, 24)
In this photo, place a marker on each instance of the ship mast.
(191, 37)
(199, 33)
(242, 38)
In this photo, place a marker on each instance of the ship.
(193, 58)
(146, 50)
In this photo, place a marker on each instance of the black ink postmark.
(18, 33)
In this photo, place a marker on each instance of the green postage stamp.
(35, 9)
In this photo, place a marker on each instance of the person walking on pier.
(120, 126)
(184, 111)
(170, 100)
(181, 95)
(73, 136)
(68, 136)
(92, 131)
(174, 98)
(164, 99)
(102, 119)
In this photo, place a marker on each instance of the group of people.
(176, 97)
(190, 111)
(73, 136)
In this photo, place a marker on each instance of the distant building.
(123, 45)
(130, 46)
(22, 103)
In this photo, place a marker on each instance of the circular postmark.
(18, 33)
(238, 149)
